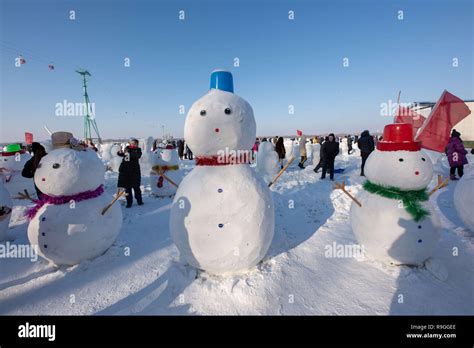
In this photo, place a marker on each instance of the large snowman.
(396, 224)
(12, 160)
(67, 224)
(222, 217)
(6, 207)
(464, 199)
(164, 161)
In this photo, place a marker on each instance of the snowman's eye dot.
(423, 159)
(56, 165)
(228, 111)
(400, 159)
(203, 112)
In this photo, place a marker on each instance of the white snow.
(141, 272)
(464, 199)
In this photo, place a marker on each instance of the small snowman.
(12, 161)
(6, 206)
(268, 164)
(164, 175)
(222, 216)
(67, 224)
(315, 153)
(396, 224)
(464, 199)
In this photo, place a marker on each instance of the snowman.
(396, 224)
(268, 164)
(164, 167)
(12, 161)
(315, 153)
(222, 216)
(464, 199)
(6, 207)
(67, 224)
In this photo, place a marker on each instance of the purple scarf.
(57, 200)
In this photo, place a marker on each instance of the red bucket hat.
(398, 136)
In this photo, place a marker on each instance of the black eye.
(400, 159)
(228, 111)
(203, 112)
(56, 165)
(423, 159)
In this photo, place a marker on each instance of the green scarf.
(411, 199)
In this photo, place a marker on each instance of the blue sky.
(282, 62)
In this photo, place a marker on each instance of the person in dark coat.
(456, 153)
(329, 150)
(181, 148)
(32, 164)
(366, 145)
(189, 153)
(129, 172)
(280, 150)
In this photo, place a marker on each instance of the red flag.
(407, 115)
(28, 138)
(448, 111)
(299, 133)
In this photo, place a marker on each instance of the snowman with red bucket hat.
(393, 219)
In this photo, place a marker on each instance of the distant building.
(465, 127)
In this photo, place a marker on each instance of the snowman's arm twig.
(24, 195)
(169, 180)
(441, 183)
(281, 171)
(343, 188)
(107, 207)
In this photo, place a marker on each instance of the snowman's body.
(382, 225)
(6, 206)
(70, 233)
(222, 217)
(11, 175)
(267, 161)
(115, 160)
(166, 160)
(464, 199)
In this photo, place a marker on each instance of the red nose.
(217, 130)
(417, 173)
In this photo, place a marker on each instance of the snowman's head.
(220, 120)
(399, 161)
(14, 162)
(66, 171)
(406, 170)
(165, 157)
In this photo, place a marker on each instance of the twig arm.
(281, 171)
(342, 187)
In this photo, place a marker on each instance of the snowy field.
(141, 273)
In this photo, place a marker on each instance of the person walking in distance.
(456, 153)
(302, 148)
(280, 149)
(329, 149)
(129, 172)
(366, 145)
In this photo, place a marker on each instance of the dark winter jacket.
(329, 150)
(456, 152)
(366, 142)
(129, 170)
(280, 149)
(180, 147)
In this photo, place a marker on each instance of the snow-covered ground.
(141, 273)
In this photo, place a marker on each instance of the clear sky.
(282, 62)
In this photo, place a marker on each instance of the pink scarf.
(58, 200)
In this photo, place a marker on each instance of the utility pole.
(89, 121)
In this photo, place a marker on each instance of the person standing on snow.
(32, 164)
(302, 148)
(280, 150)
(366, 145)
(329, 150)
(349, 144)
(129, 172)
(180, 148)
(456, 155)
